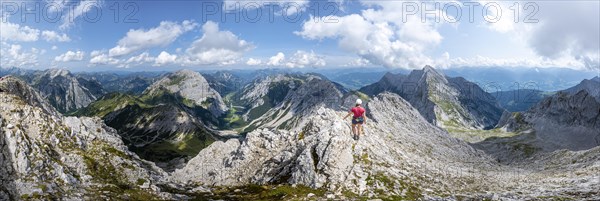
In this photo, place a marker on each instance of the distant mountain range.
(506, 79)
(519, 100)
(569, 119)
(279, 134)
(132, 83)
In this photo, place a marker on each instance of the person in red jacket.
(359, 118)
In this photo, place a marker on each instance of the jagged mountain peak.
(55, 72)
(19, 88)
(427, 68)
(389, 74)
(66, 92)
(180, 80)
(192, 86)
(428, 74)
(443, 101)
(186, 72)
(317, 91)
(283, 100)
(591, 86)
(261, 86)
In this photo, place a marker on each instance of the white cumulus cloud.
(70, 56)
(379, 34)
(302, 59)
(16, 32)
(359, 62)
(577, 33)
(141, 39)
(12, 55)
(253, 62)
(276, 60)
(563, 33)
(164, 58)
(51, 36)
(215, 47)
(299, 59)
(99, 58)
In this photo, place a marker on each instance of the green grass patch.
(190, 145)
(233, 120)
(257, 192)
(207, 102)
(362, 96)
(474, 135)
(140, 181)
(188, 102)
(412, 192)
(116, 152)
(176, 80)
(527, 149)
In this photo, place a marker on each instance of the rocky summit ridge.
(45, 155)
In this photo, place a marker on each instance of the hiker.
(359, 117)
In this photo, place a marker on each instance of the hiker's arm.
(349, 113)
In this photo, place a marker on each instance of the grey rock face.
(49, 156)
(267, 92)
(561, 121)
(306, 96)
(191, 86)
(567, 121)
(64, 91)
(389, 82)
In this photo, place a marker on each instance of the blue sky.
(165, 35)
